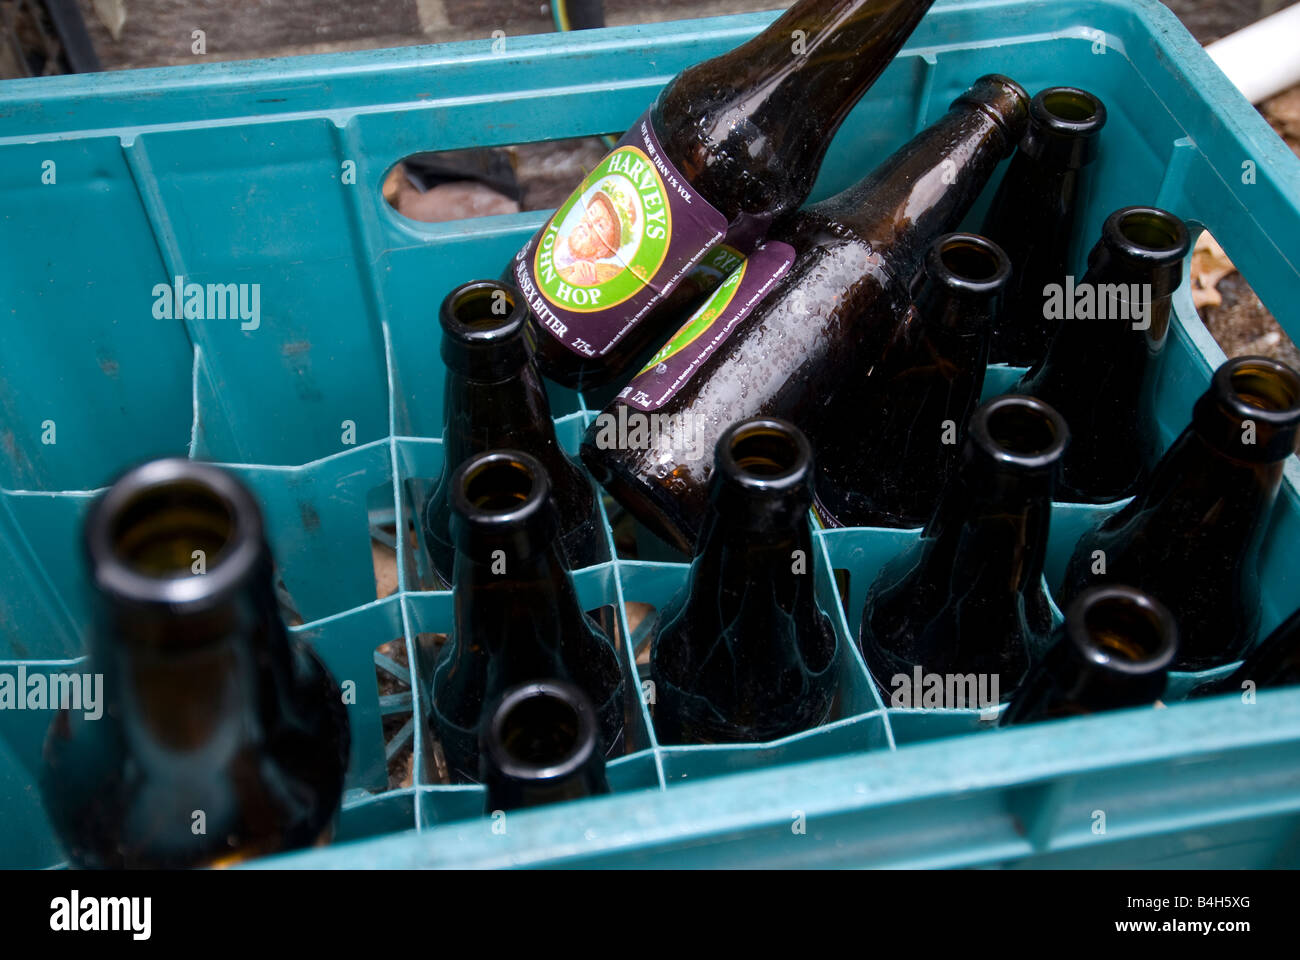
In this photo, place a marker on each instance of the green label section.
(610, 237)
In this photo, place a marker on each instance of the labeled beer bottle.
(926, 385)
(1275, 662)
(1034, 215)
(209, 708)
(540, 745)
(968, 597)
(517, 617)
(728, 147)
(493, 398)
(1101, 369)
(1191, 536)
(1113, 651)
(745, 653)
(796, 331)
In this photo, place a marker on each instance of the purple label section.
(622, 241)
(681, 357)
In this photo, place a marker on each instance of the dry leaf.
(1209, 265)
(112, 14)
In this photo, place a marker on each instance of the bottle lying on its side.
(798, 329)
(728, 147)
(213, 716)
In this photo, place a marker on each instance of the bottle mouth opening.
(1147, 235)
(164, 531)
(970, 262)
(483, 311)
(1071, 107)
(1262, 388)
(1123, 629)
(542, 730)
(173, 531)
(764, 453)
(498, 484)
(1022, 431)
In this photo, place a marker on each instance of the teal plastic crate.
(269, 173)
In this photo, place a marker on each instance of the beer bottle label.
(623, 240)
(824, 519)
(708, 327)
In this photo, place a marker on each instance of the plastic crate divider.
(286, 386)
(346, 642)
(43, 534)
(117, 386)
(43, 597)
(318, 524)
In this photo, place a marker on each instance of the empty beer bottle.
(729, 146)
(209, 708)
(517, 617)
(1101, 369)
(1113, 651)
(540, 745)
(745, 652)
(968, 597)
(926, 385)
(1191, 536)
(493, 398)
(1035, 212)
(799, 343)
(1275, 662)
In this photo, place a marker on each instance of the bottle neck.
(928, 185)
(993, 521)
(957, 322)
(761, 117)
(483, 413)
(1200, 479)
(202, 681)
(1275, 662)
(1067, 685)
(759, 539)
(515, 602)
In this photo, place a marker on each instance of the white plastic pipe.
(1264, 58)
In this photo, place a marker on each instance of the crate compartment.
(430, 618)
(117, 390)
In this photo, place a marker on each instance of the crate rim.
(855, 786)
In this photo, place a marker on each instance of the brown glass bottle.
(745, 653)
(517, 613)
(927, 383)
(540, 745)
(1191, 535)
(1274, 662)
(968, 597)
(1113, 651)
(212, 715)
(493, 398)
(806, 351)
(1035, 212)
(1102, 367)
(743, 133)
